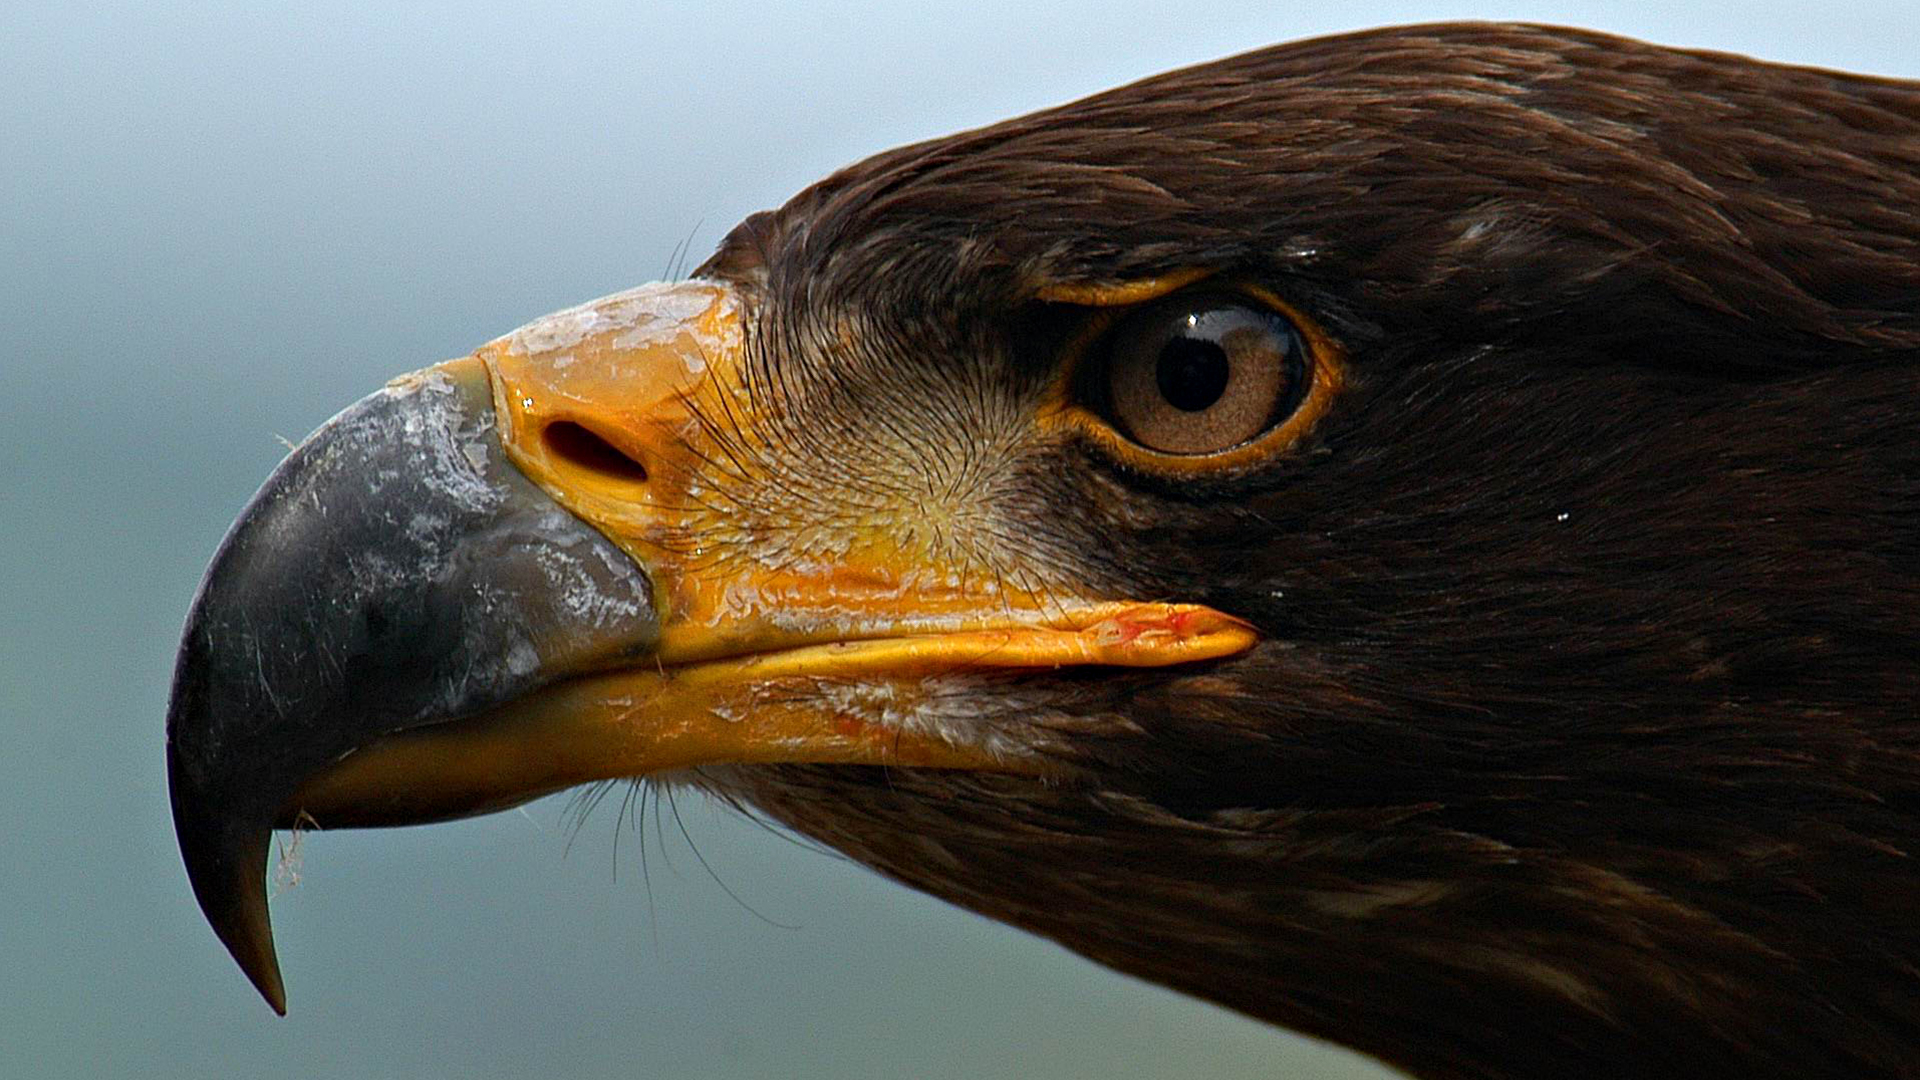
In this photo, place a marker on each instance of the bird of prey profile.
(1412, 536)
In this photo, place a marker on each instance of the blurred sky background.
(219, 223)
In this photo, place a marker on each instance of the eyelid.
(1121, 294)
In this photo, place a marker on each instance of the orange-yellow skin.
(644, 390)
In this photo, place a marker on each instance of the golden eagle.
(1413, 536)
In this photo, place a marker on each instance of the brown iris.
(1200, 374)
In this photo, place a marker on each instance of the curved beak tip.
(226, 866)
(248, 935)
(229, 881)
(251, 943)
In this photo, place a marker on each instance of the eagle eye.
(1200, 374)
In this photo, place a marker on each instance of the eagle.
(1412, 536)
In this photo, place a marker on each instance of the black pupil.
(1192, 373)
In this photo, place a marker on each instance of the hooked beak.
(469, 590)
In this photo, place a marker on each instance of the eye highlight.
(1198, 374)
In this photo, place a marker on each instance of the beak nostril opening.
(579, 446)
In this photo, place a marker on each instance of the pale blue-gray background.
(219, 222)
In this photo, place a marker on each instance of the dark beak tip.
(267, 981)
(226, 865)
(232, 890)
(250, 940)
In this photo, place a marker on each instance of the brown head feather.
(1582, 738)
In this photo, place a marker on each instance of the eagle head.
(1411, 536)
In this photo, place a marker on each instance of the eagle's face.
(1410, 536)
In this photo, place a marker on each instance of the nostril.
(578, 446)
